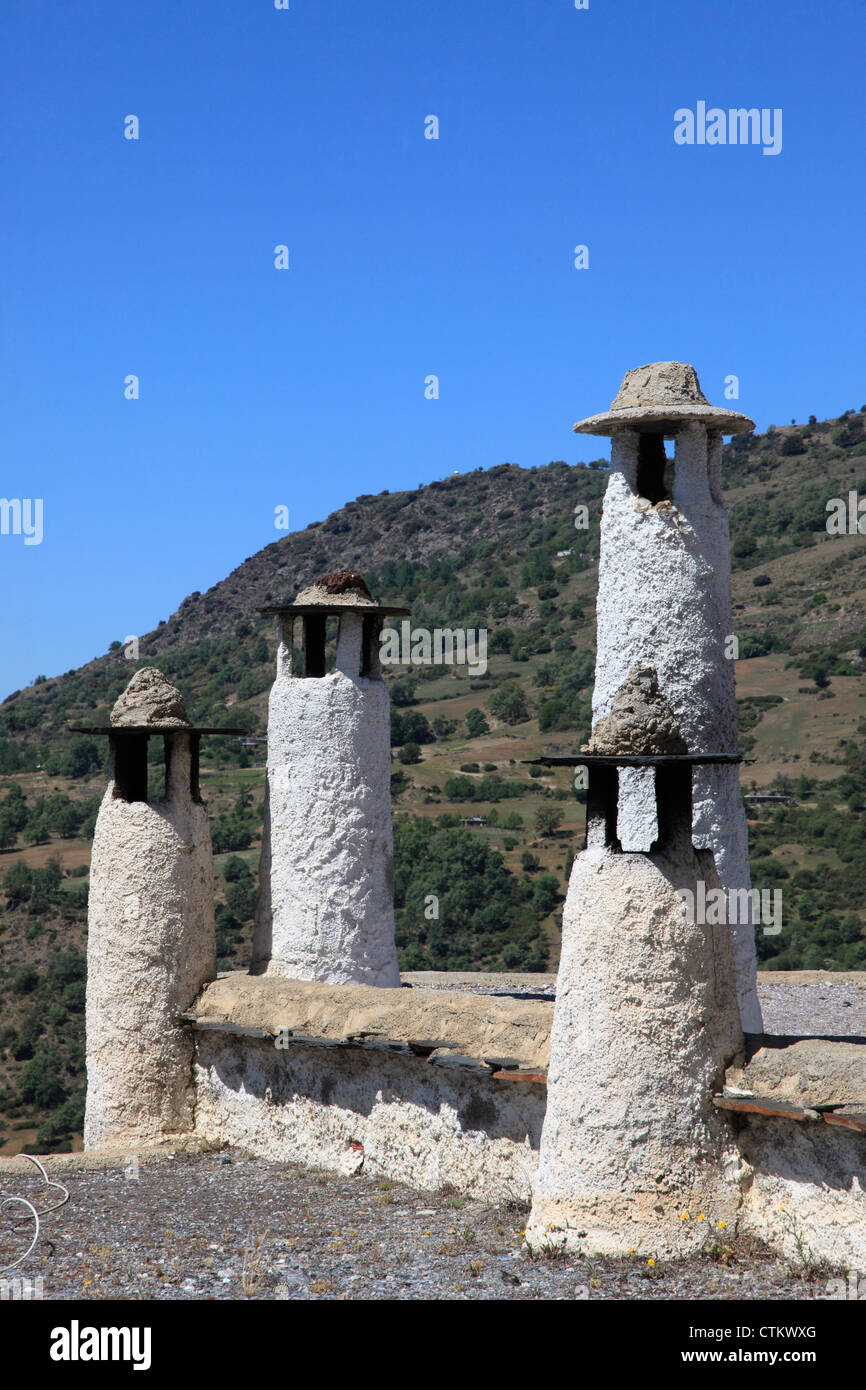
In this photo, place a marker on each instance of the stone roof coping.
(472, 1025)
(811, 1072)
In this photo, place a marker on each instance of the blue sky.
(408, 257)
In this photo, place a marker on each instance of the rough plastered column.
(664, 601)
(326, 909)
(150, 949)
(644, 1025)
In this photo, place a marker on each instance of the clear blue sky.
(408, 257)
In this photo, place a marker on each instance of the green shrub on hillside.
(456, 905)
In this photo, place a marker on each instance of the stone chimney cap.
(658, 398)
(345, 591)
(150, 700)
(150, 704)
(640, 721)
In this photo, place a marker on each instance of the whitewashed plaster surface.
(326, 904)
(151, 947)
(664, 601)
(644, 1024)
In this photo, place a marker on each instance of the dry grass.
(252, 1270)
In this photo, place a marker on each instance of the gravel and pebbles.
(800, 1003)
(814, 1007)
(228, 1226)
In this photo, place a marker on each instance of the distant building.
(773, 798)
(253, 741)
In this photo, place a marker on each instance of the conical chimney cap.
(150, 704)
(641, 721)
(345, 591)
(150, 701)
(657, 398)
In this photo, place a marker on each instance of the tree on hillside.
(548, 819)
(457, 906)
(82, 756)
(508, 703)
(14, 808)
(545, 894)
(410, 727)
(235, 868)
(476, 724)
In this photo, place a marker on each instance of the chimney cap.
(659, 398)
(150, 704)
(344, 591)
(150, 699)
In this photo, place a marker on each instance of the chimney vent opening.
(652, 464)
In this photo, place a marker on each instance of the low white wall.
(797, 1185)
(805, 1190)
(418, 1123)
